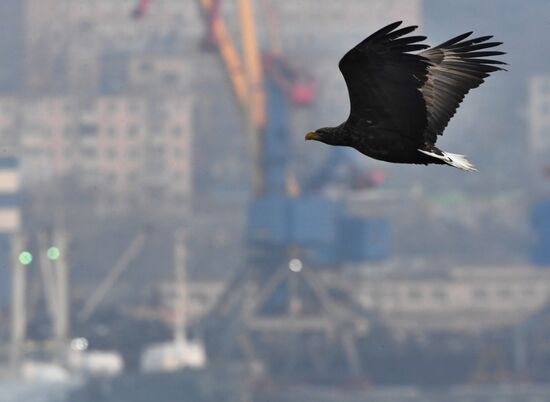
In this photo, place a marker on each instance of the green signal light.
(25, 258)
(53, 253)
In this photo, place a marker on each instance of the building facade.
(132, 151)
(539, 117)
(462, 299)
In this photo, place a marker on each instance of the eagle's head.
(328, 135)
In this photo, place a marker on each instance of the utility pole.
(55, 275)
(61, 323)
(180, 274)
(48, 275)
(18, 305)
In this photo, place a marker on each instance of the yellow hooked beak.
(311, 136)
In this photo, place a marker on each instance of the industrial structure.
(276, 295)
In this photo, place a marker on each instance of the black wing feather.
(456, 67)
(383, 80)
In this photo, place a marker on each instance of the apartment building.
(133, 151)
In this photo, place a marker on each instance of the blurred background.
(167, 235)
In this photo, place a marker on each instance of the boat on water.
(39, 382)
(37, 391)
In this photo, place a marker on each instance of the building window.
(132, 177)
(177, 131)
(132, 131)
(89, 152)
(158, 151)
(133, 107)
(415, 294)
(480, 294)
(439, 294)
(528, 292)
(178, 152)
(146, 67)
(179, 198)
(504, 293)
(133, 153)
(87, 130)
(112, 107)
(111, 153)
(46, 132)
(170, 79)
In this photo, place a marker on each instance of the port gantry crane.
(276, 309)
(277, 298)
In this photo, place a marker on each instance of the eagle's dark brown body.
(401, 102)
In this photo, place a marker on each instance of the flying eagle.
(400, 102)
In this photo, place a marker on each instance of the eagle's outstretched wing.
(456, 66)
(383, 80)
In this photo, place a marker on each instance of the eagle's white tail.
(456, 160)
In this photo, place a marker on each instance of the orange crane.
(244, 74)
(251, 79)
